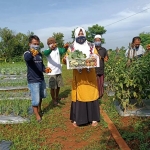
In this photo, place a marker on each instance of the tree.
(95, 29)
(12, 46)
(6, 43)
(92, 31)
(59, 38)
(145, 38)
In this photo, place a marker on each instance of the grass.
(56, 131)
(134, 130)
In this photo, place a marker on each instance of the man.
(102, 52)
(53, 54)
(136, 50)
(35, 77)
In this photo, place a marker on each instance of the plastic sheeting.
(12, 119)
(13, 88)
(5, 145)
(110, 93)
(143, 111)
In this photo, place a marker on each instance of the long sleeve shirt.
(35, 67)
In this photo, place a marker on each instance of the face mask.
(81, 39)
(98, 43)
(36, 47)
(136, 48)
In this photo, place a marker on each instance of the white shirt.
(139, 51)
(54, 62)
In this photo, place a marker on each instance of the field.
(56, 132)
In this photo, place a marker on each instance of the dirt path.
(66, 136)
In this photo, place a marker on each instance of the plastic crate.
(91, 62)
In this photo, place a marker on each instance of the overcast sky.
(48, 16)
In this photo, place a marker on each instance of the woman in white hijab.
(85, 104)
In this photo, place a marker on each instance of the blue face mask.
(98, 43)
(81, 39)
(36, 47)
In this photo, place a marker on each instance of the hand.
(34, 52)
(148, 47)
(48, 70)
(64, 60)
(66, 45)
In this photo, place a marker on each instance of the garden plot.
(8, 83)
(16, 111)
(141, 111)
(15, 95)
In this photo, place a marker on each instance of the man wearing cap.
(102, 52)
(53, 54)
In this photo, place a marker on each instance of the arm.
(47, 52)
(126, 53)
(143, 50)
(62, 51)
(106, 56)
(28, 56)
(64, 58)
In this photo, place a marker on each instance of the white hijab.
(81, 47)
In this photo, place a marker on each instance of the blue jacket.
(35, 67)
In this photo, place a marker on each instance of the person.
(35, 77)
(53, 55)
(85, 104)
(102, 52)
(136, 50)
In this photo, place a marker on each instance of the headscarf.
(81, 47)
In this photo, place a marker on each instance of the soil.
(78, 137)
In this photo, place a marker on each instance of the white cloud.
(118, 34)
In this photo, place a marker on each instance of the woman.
(85, 104)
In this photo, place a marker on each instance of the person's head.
(51, 40)
(80, 35)
(136, 41)
(34, 42)
(97, 40)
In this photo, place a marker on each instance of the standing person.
(136, 50)
(102, 52)
(85, 104)
(53, 54)
(35, 77)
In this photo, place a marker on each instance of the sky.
(49, 16)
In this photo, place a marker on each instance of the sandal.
(74, 124)
(94, 124)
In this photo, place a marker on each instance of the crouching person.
(35, 77)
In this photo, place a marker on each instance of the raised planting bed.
(11, 119)
(135, 111)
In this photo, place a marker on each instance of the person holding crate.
(35, 77)
(102, 52)
(53, 55)
(85, 104)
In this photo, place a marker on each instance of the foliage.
(59, 38)
(13, 45)
(76, 54)
(145, 38)
(128, 78)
